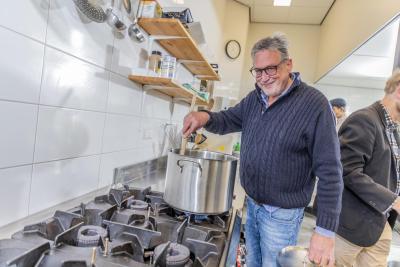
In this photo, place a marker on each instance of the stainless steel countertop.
(155, 179)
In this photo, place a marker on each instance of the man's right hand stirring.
(194, 121)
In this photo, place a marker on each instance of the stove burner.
(138, 205)
(127, 227)
(172, 254)
(142, 222)
(90, 235)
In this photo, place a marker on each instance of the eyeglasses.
(270, 70)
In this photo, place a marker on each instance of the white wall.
(236, 27)
(69, 114)
(356, 97)
(359, 92)
(348, 25)
(303, 47)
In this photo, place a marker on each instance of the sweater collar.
(263, 98)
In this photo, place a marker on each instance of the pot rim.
(224, 156)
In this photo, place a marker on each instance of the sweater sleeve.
(357, 139)
(227, 121)
(327, 167)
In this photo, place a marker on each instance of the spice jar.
(155, 61)
(168, 65)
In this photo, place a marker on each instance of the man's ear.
(289, 64)
(397, 91)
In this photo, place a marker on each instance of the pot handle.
(193, 162)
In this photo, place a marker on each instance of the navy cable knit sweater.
(284, 147)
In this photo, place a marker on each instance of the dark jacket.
(284, 147)
(369, 176)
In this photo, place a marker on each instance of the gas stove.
(126, 227)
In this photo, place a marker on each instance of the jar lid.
(155, 52)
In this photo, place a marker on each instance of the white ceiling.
(299, 12)
(370, 65)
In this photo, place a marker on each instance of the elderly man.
(369, 141)
(339, 108)
(288, 137)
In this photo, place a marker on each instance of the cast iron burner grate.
(126, 227)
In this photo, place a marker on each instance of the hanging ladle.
(113, 19)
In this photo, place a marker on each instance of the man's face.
(272, 85)
(339, 112)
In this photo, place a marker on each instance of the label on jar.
(167, 68)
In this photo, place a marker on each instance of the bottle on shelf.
(168, 66)
(155, 61)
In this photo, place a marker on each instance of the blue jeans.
(268, 232)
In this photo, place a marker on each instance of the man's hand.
(321, 250)
(194, 121)
(396, 205)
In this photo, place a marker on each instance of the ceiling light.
(282, 2)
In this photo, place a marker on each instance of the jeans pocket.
(287, 216)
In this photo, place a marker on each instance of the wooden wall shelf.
(169, 87)
(182, 47)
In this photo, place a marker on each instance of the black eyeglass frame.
(267, 70)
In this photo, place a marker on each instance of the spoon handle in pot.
(185, 140)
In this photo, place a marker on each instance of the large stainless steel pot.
(200, 181)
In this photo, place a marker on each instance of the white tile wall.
(110, 161)
(66, 133)
(121, 132)
(128, 54)
(17, 135)
(125, 97)
(21, 62)
(157, 105)
(70, 31)
(69, 114)
(70, 82)
(67, 179)
(28, 17)
(14, 192)
(180, 111)
(153, 137)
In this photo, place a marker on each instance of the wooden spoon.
(185, 140)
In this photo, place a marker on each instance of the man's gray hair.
(393, 82)
(277, 41)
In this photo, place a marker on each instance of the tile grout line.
(66, 52)
(85, 110)
(71, 158)
(105, 119)
(38, 108)
(23, 35)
